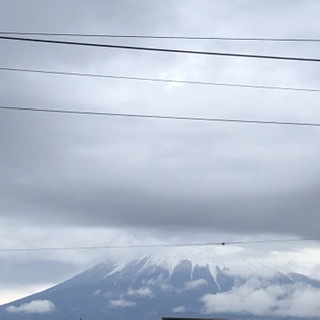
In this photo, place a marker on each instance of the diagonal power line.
(137, 36)
(153, 49)
(159, 117)
(221, 84)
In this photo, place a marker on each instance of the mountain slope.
(141, 289)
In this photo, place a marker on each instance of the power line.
(104, 35)
(208, 53)
(159, 117)
(159, 80)
(158, 245)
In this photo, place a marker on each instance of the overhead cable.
(206, 244)
(137, 36)
(159, 80)
(153, 49)
(159, 117)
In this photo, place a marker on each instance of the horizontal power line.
(137, 36)
(159, 80)
(208, 53)
(158, 117)
(178, 245)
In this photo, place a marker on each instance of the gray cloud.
(125, 181)
(144, 179)
(29, 270)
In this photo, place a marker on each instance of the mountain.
(147, 289)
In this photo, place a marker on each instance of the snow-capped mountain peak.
(150, 287)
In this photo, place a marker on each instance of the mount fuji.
(148, 289)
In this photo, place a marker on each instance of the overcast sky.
(68, 180)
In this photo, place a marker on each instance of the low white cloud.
(260, 299)
(166, 287)
(179, 309)
(191, 285)
(142, 292)
(97, 292)
(35, 306)
(121, 303)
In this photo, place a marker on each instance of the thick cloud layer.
(161, 174)
(90, 176)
